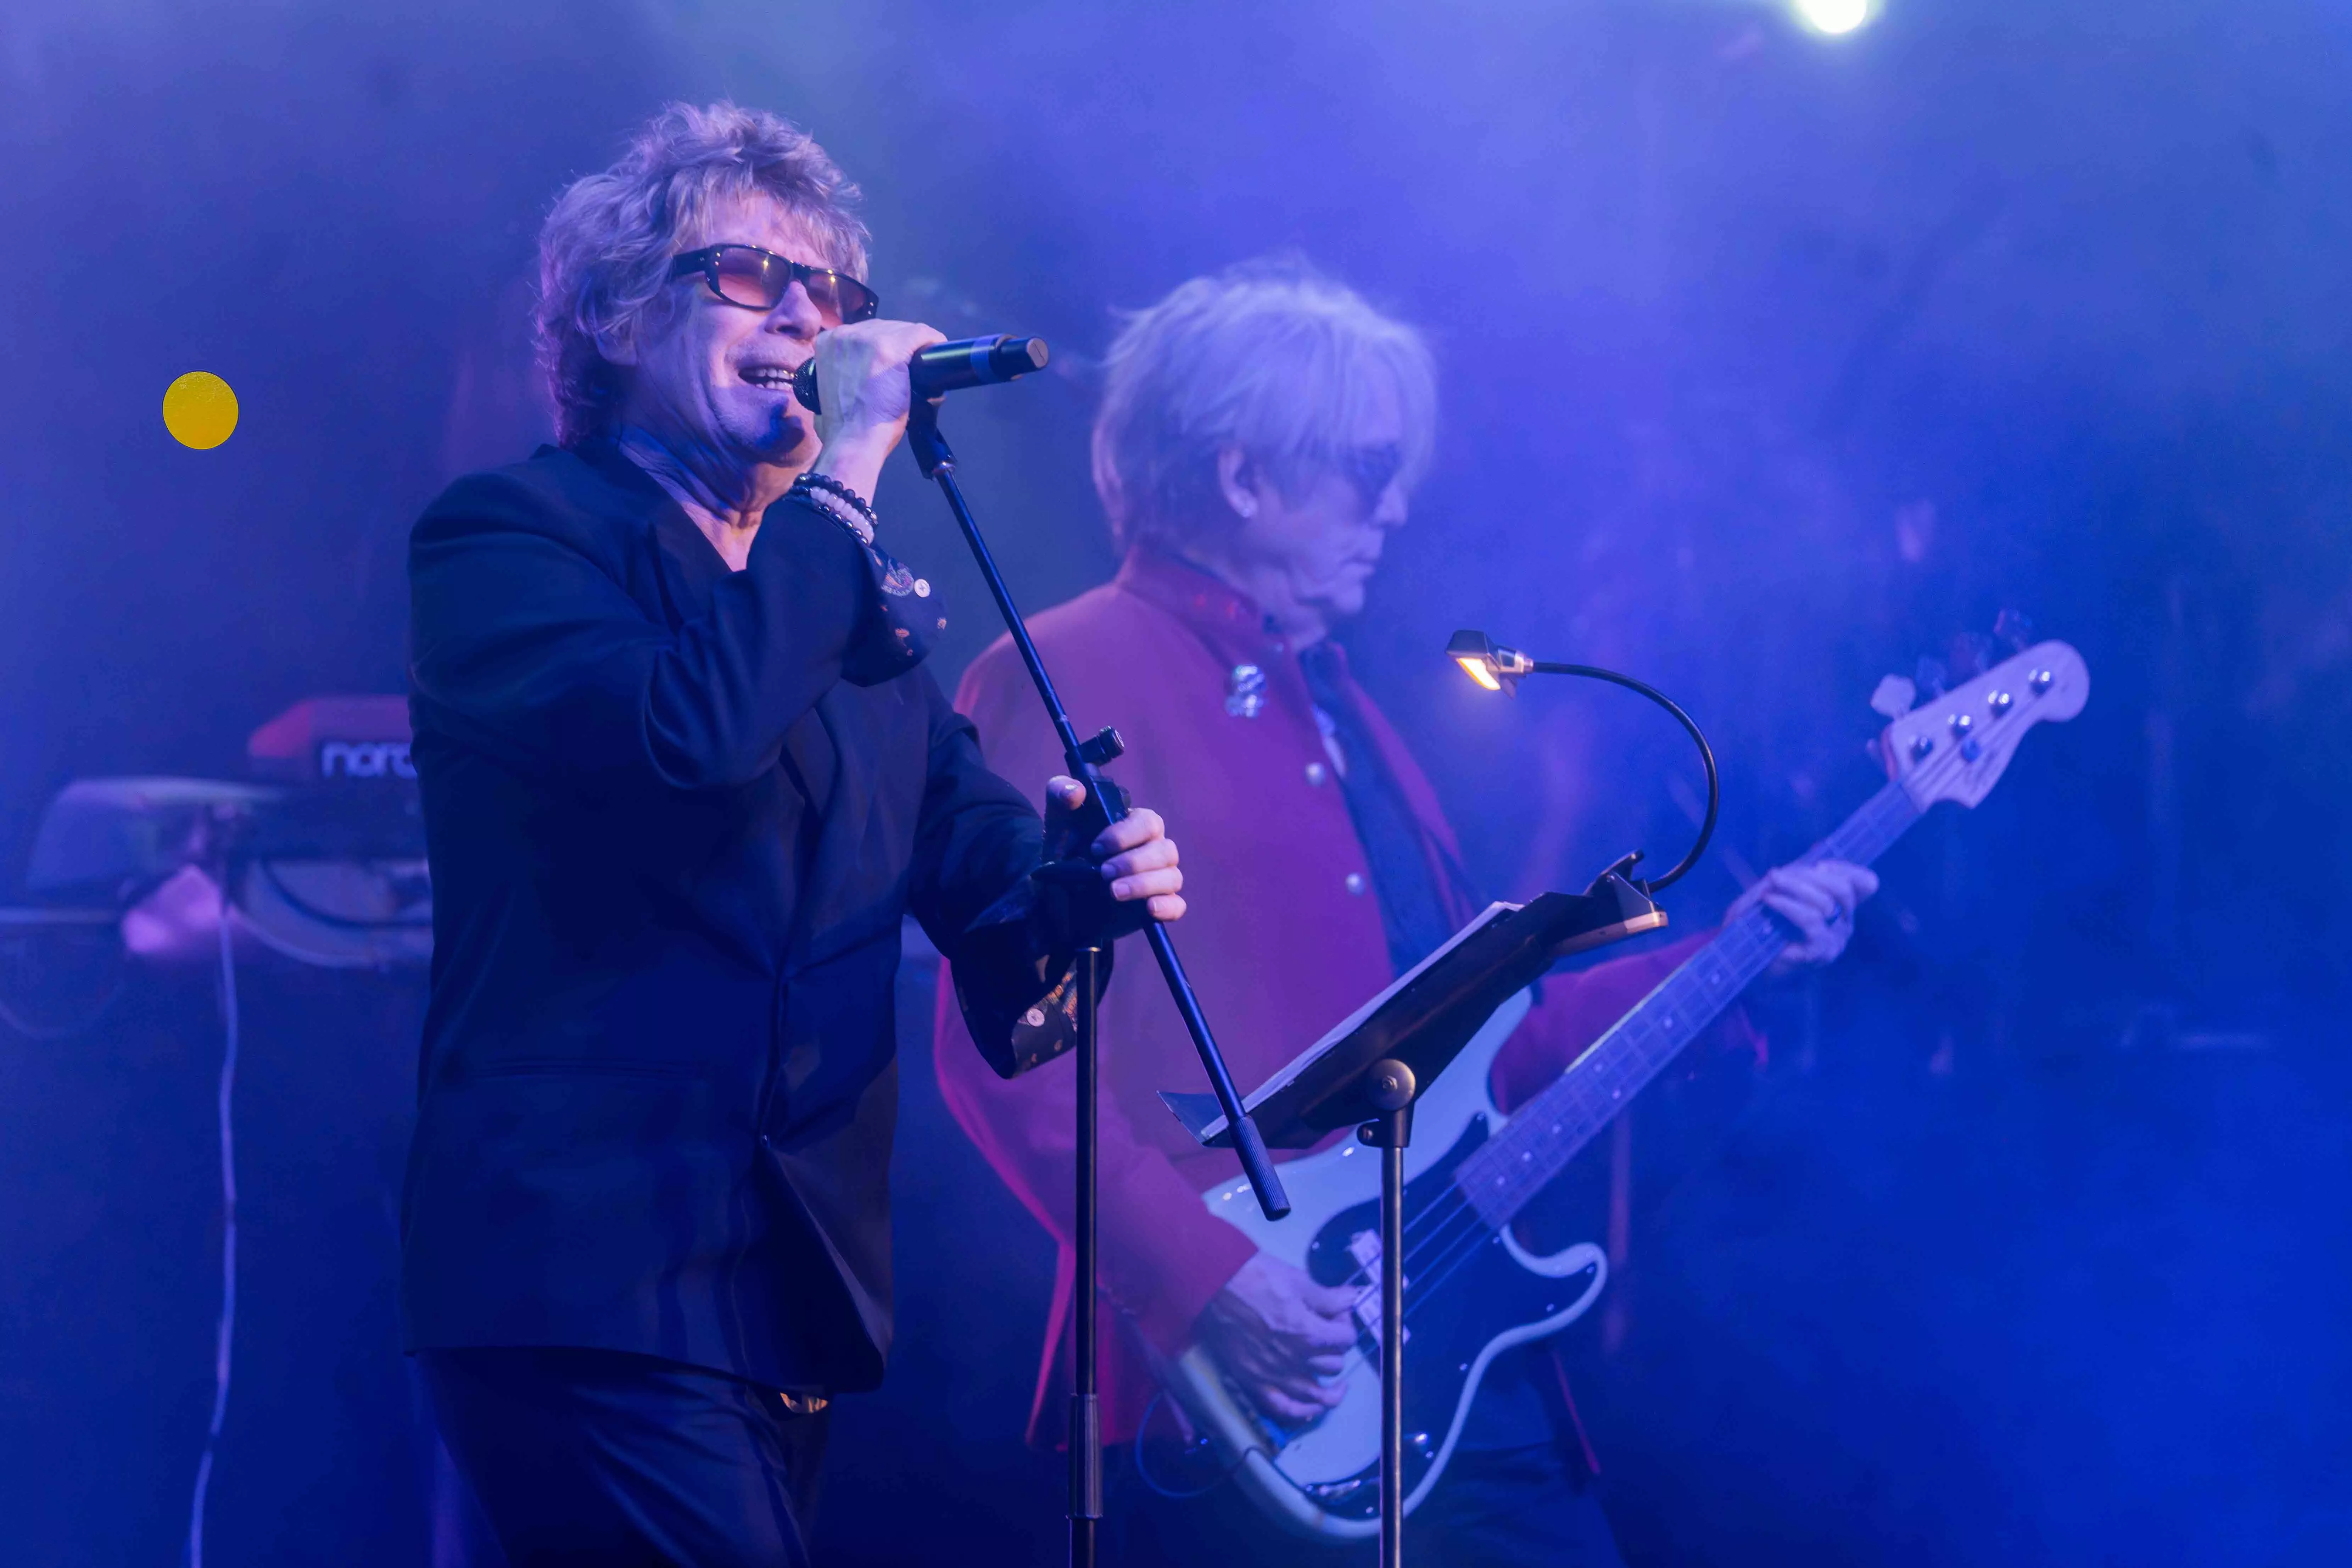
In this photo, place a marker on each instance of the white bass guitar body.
(1323, 1479)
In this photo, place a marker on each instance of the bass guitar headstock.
(1955, 744)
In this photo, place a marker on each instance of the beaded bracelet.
(838, 501)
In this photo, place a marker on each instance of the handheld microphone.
(949, 367)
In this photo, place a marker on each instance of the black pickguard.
(1459, 1298)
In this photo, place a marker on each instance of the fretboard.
(1546, 1132)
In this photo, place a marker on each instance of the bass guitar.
(1472, 1290)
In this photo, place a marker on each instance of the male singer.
(1259, 434)
(682, 777)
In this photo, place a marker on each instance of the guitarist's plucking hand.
(1283, 1336)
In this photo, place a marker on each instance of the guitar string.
(1714, 977)
(1701, 988)
(1883, 818)
(1705, 973)
(1461, 1229)
(1468, 1228)
(1760, 934)
(1696, 991)
(1895, 801)
(1708, 957)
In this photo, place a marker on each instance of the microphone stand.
(1106, 803)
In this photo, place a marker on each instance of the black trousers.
(1510, 1508)
(600, 1459)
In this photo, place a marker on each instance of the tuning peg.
(1894, 697)
(2014, 628)
(1933, 678)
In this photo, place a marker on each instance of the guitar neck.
(1543, 1135)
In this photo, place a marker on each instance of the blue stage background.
(1772, 362)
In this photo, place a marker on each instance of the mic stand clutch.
(1106, 803)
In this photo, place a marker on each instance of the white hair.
(604, 252)
(1271, 356)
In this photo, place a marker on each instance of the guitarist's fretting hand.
(1280, 1335)
(1818, 900)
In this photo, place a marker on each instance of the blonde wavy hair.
(604, 252)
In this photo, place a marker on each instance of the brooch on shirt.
(1246, 691)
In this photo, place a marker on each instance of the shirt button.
(1317, 772)
(1355, 883)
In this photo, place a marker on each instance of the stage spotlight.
(1835, 15)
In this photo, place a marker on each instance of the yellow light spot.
(199, 410)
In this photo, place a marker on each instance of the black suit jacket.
(675, 817)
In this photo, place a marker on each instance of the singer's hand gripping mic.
(948, 367)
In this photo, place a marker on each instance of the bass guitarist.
(1260, 432)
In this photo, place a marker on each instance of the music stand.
(1368, 1072)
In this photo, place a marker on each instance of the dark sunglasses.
(1371, 470)
(758, 280)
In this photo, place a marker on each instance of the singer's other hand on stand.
(1135, 857)
(1816, 900)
